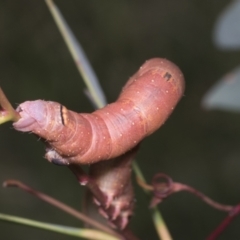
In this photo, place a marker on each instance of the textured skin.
(113, 178)
(144, 104)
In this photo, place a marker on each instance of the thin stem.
(164, 189)
(139, 175)
(158, 220)
(7, 113)
(60, 205)
(79, 56)
(217, 232)
(203, 197)
(160, 225)
(71, 231)
(146, 187)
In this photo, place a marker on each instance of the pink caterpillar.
(146, 101)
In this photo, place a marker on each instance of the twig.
(7, 112)
(232, 214)
(158, 220)
(164, 189)
(80, 59)
(62, 206)
(70, 231)
(160, 225)
(206, 199)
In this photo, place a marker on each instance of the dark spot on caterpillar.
(167, 76)
(61, 114)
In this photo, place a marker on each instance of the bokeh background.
(195, 146)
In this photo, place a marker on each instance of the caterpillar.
(146, 101)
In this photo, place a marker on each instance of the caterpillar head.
(40, 117)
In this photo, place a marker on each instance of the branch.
(62, 206)
(7, 112)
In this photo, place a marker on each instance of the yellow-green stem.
(77, 232)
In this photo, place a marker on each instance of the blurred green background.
(196, 147)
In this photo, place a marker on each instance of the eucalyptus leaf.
(225, 94)
(226, 34)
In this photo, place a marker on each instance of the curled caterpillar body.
(143, 106)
